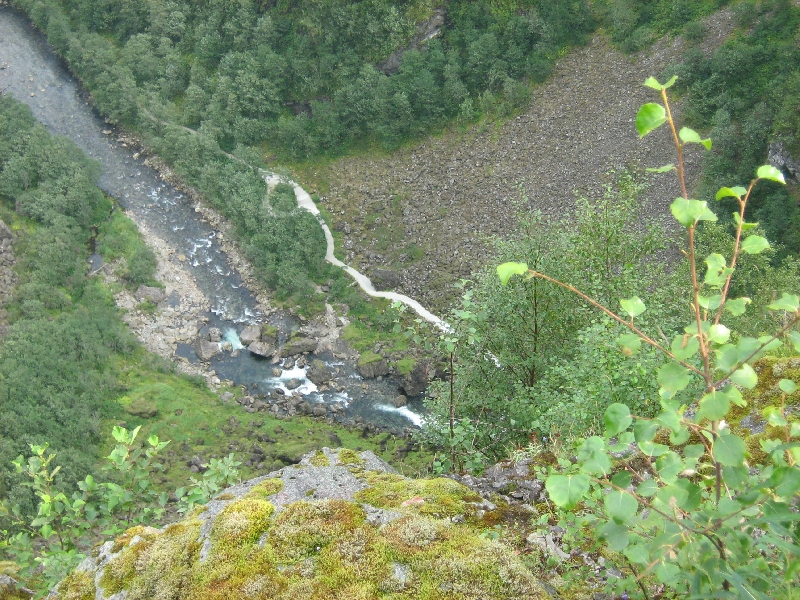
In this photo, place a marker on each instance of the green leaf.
(644, 430)
(617, 419)
(567, 490)
(637, 554)
(633, 306)
(647, 488)
(719, 334)
(754, 244)
(774, 416)
(690, 136)
(669, 465)
(670, 83)
(616, 536)
(794, 338)
(729, 450)
(787, 385)
(674, 377)
(713, 406)
(684, 346)
(786, 481)
(745, 376)
(621, 479)
(717, 270)
(620, 505)
(737, 306)
(664, 169)
(771, 173)
(507, 270)
(745, 225)
(787, 302)
(630, 343)
(688, 212)
(735, 192)
(794, 430)
(652, 82)
(650, 116)
(710, 302)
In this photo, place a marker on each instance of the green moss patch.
(350, 457)
(368, 357)
(266, 488)
(241, 522)
(437, 497)
(78, 585)
(320, 460)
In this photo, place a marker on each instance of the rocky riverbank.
(8, 278)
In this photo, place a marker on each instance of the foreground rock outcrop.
(339, 525)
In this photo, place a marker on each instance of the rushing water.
(34, 74)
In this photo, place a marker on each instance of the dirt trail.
(416, 221)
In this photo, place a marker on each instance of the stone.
(269, 334)
(250, 334)
(385, 279)
(5, 232)
(319, 410)
(261, 349)
(319, 373)
(373, 369)
(152, 294)
(298, 345)
(400, 401)
(293, 384)
(214, 334)
(142, 408)
(206, 350)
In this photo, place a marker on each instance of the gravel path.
(424, 212)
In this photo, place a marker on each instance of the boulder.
(372, 365)
(388, 532)
(269, 334)
(214, 334)
(206, 350)
(142, 408)
(319, 373)
(250, 334)
(298, 345)
(153, 294)
(261, 349)
(400, 401)
(385, 279)
(415, 382)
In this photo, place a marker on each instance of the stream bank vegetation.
(70, 371)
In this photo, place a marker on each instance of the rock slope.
(417, 220)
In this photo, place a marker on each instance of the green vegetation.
(678, 499)
(746, 96)
(118, 238)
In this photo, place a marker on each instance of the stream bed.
(32, 73)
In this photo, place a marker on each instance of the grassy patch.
(198, 423)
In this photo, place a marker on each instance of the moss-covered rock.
(340, 525)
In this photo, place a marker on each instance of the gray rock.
(780, 158)
(214, 335)
(293, 384)
(400, 401)
(261, 349)
(377, 368)
(250, 334)
(299, 345)
(5, 232)
(153, 294)
(385, 279)
(319, 410)
(206, 350)
(415, 382)
(319, 373)
(269, 334)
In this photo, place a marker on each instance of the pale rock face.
(337, 522)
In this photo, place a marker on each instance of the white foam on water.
(306, 385)
(231, 336)
(404, 411)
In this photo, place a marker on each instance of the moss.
(241, 522)
(406, 365)
(225, 497)
(439, 497)
(368, 357)
(157, 568)
(320, 460)
(268, 331)
(303, 528)
(78, 585)
(266, 488)
(350, 457)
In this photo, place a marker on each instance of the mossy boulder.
(347, 527)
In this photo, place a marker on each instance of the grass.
(197, 422)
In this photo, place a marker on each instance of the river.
(35, 75)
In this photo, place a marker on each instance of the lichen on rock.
(364, 532)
